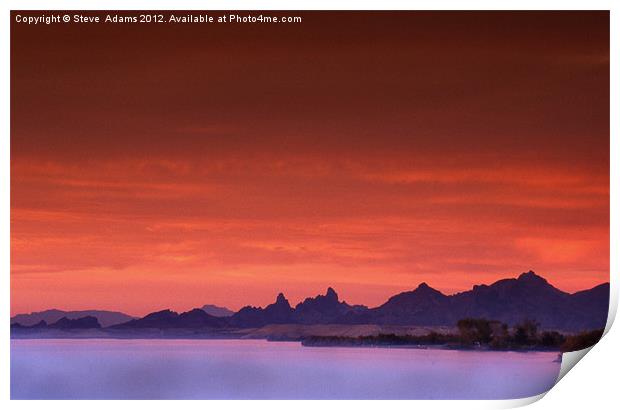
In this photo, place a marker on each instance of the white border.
(571, 391)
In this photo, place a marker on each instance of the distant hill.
(104, 317)
(217, 311)
(423, 306)
(167, 319)
(86, 322)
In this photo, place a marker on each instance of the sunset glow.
(174, 167)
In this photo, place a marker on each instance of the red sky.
(157, 166)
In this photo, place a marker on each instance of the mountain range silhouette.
(508, 300)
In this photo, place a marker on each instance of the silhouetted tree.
(473, 330)
(551, 339)
(581, 340)
(526, 332)
(500, 337)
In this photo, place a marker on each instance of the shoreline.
(471, 337)
(454, 347)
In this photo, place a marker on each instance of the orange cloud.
(365, 159)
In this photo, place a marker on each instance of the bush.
(581, 340)
(551, 339)
(526, 332)
(475, 330)
(501, 337)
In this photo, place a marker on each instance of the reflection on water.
(256, 369)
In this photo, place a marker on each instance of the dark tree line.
(473, 333)
(477, 331)
(525, 334)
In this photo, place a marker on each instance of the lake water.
(257, 369)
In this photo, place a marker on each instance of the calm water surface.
(256, 369)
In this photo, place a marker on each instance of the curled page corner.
(569, 360)
(613, 305)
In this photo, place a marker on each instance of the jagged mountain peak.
(424, 286)
(281, 303)
(531, 276)
(330, 298)
(422, 293)
(331, 293)
(281, 299)
(526, 282)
